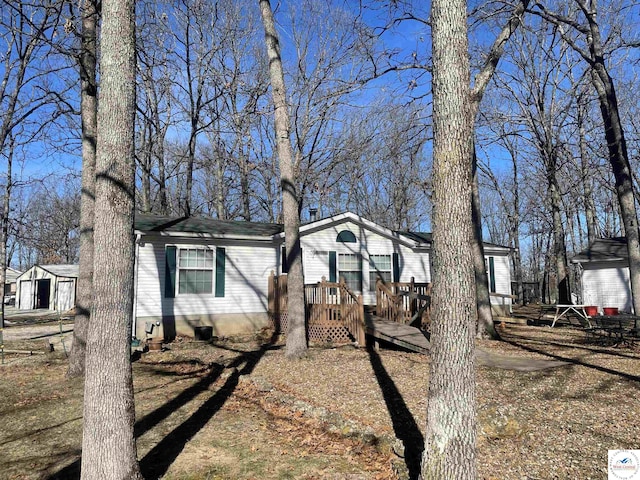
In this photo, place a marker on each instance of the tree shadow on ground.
(520, 342)
(404, 425)
(158, 460)
(595, 343)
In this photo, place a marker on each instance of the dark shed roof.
(200, 225)
(604, 250)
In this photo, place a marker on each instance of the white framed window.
(195, 270)
(350, 268)
(380, 266)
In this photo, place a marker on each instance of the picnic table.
(566, 310)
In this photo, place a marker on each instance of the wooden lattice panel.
(279, 322)
(329, 334)
(320, 333)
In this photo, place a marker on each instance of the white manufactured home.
(51, 287)
(604, 273)
(193, 272)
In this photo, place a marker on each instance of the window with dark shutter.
(170, 272)
(220, 268)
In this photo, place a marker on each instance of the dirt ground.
(239, 410)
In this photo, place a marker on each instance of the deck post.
(324, 300)
(360, 322)
(343, 297)
(271, 297)
(378, 298)
(413, 300)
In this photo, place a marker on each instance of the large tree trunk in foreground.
(296, 331)
(450, 436)
(109, 447)
(88, 114)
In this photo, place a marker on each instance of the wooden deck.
(399, 334)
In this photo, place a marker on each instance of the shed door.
(26, 295)
(65, 298)
(43, 293)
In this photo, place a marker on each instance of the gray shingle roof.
(62, 270)
(11, 275)
(604, 250)
(156, 223)
(420, 237)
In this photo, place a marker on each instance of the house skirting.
(223, 325)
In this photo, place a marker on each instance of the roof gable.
(347, 217)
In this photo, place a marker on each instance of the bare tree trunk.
(296, 332)
(146, 161)
(109, 446)
(614, 132)
(485, 327)
(191, 158)
(219, 197)
(559, 246)
(587, 181)
(450, 436)
(618, 154)
(88, 113)
(4, 232)
(515, 234)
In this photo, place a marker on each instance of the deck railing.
(333, 312)
(403, 302)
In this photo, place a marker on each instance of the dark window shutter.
(396, 266)
(220, 263)
(283, 255)
(333, 270)
(360, 268)
(170, 272)
(492, 276)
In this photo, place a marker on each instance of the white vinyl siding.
(606, 285)
(247, 269)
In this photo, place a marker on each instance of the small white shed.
(51, 287)
(605, 274)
